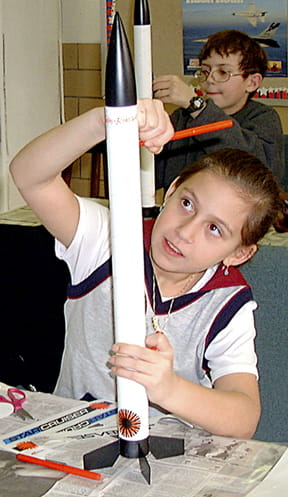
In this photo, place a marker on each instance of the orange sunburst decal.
(25, 445)
(129, 423)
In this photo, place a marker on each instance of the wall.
(30, 81)
(82, 33)
(283, 113)
(81, 21)
(82, 91)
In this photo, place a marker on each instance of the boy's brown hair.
(254, 59)
(253, 181)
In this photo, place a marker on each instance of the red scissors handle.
(17, 397)
(3, 399)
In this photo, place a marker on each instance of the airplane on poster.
(265, 38)
(252, 15)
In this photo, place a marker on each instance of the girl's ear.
(171, 189)
(241, 255)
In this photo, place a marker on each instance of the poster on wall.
(264, 20)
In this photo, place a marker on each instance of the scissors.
(17, 398)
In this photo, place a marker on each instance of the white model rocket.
(122, 136)
(127, 257)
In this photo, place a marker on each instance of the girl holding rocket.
(199, 361)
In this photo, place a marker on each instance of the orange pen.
(60, 467)
(159, 332)
(199, 130)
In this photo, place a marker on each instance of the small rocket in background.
(142, 49)
(128, 262)
(143, 75)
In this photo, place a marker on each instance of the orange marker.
(60, 467)
(199, 130)
(159, 332)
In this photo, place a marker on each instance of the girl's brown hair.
(251, 179)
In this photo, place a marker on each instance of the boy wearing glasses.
(232, 68)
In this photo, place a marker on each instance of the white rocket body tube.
(123, 156)
(127, 260)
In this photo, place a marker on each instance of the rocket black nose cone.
(120, 86)
(141, 13)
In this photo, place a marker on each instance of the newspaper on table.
(211, 466)
(62, 430)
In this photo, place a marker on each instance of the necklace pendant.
(155, 323)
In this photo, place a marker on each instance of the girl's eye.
(215, 230)
(187, 204)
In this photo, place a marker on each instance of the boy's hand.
(155, 127)
(170, 89)
(152, 366)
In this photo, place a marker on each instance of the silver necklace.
(154, 319)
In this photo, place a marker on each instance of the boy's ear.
(241, 255)
(253, 82)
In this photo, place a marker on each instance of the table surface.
(211, 466)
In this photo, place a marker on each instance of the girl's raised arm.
(37, 168)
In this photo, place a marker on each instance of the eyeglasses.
(218, 75)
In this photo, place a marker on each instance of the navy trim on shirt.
(94, 279)
(224, 317)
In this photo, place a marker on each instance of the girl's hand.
(152, 366)
(155, 127)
